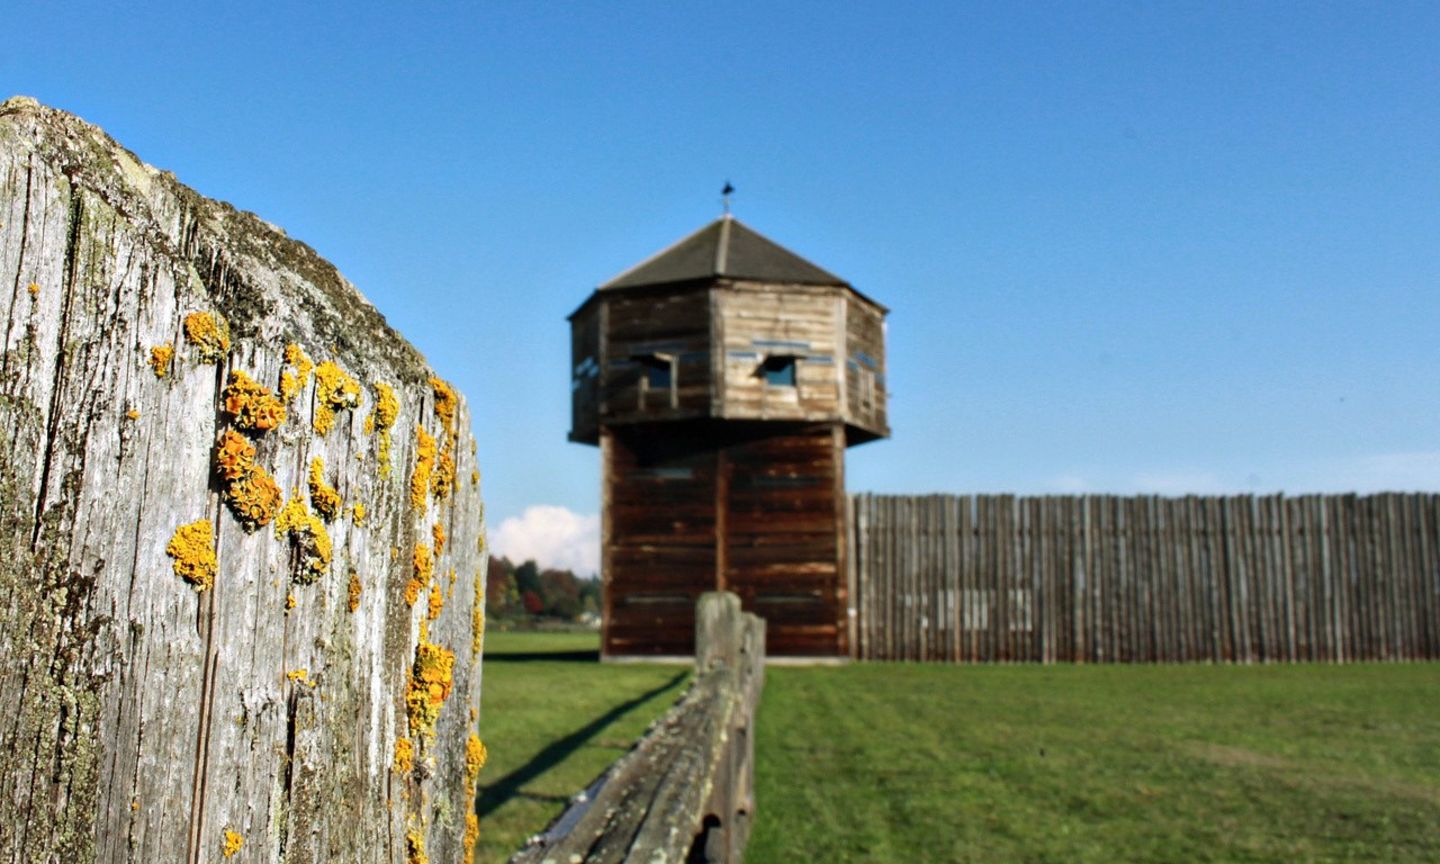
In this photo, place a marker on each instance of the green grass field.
(912, 763)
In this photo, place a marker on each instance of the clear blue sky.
(1155, 247)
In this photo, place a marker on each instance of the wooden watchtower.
(723, 379)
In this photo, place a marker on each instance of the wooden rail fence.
(685, 792)
(994, 578)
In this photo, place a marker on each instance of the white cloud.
(553, 536)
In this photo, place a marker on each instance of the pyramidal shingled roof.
(726, 247)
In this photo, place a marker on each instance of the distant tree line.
(524, 591)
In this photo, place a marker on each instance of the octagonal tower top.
(727, 325)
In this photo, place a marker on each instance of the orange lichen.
(474, 761)
(381, 418)
(357, 513)
(437, 532)
(415, 847)
(355, 589)
(160, 357)
(446, 403)
(443, 479)
(251, 404)
(472, 834)
(231, 843)
(322, 495)
(424, 465)
(404, 755)
(250, 492)
(334, 391)
(309, 537)
(436, 602)
(424, 566)
(431, 680)
(292, 382)
(210, 335)
(193, 548)
(34, 289)
(475, 755)
(132, 414)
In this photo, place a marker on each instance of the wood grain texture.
(147, 719)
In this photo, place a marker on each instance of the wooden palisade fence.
(685, 791)
(1146, 579)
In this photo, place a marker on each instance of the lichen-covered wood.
(208, 523)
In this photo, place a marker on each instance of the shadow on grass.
(550, 656)
(507, 787)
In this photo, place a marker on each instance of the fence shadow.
(543, 656)
(509, 786)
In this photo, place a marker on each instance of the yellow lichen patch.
(472, 834)
(437, 532)
(404, 756)
(300, 676)
(475, 755)
(293, 380)
(415, 847)
(474, 761)
(132, 414)
(357, 513)
(431, 680)
(436, 602)
(249, 491)
(251, 404)
(334, 391)
(446, 404)
(289, 603)
(309, 537)
(355, 589)
(424, 565)
(231, 843)
(34, 289)
(387, 408)
(322, 495)
(193, 548)
(210, 335)
(474, 478)
(443, 479)
(160, 357)
(424, 465)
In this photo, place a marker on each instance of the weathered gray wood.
(685, 789)
(148, 721)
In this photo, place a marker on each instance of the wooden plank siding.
(866, 387)
(1246, 579)
(747, 508)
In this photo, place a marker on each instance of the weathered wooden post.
(685, 791)
(240, 536)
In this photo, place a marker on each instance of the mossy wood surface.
(258, 719)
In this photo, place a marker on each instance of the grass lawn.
(553, 717)
(912, 763)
